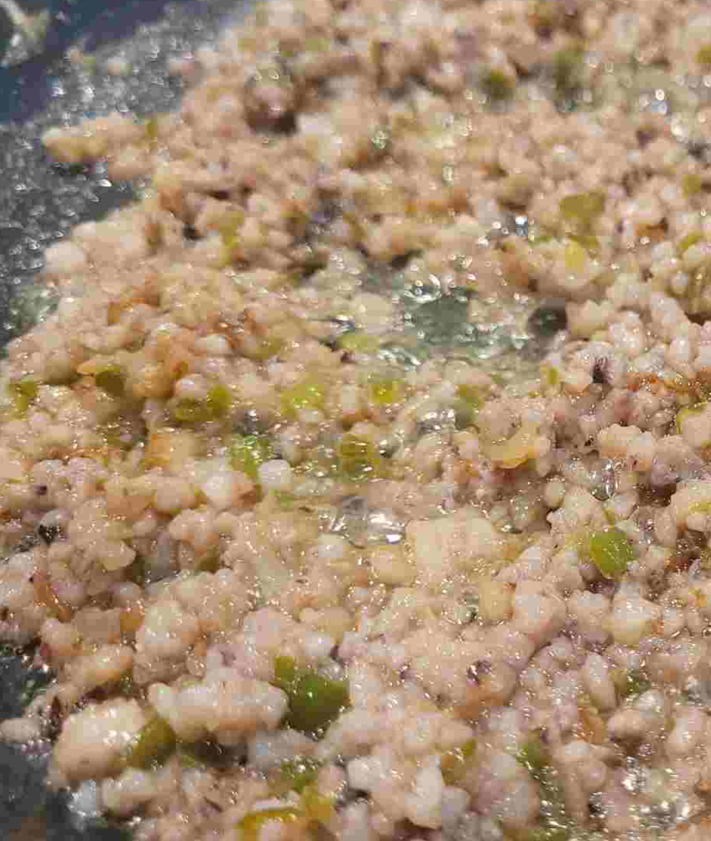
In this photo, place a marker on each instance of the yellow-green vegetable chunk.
(611, 552)
(454, 763)
(216, 405)
(635, 683)
(153, 745)
(358, 342)
(497, 85)
(23, 393)
(251, 824)
(297, 774)
(315, 701)
(112, 380)
(384, 391)
(582, 209)
(358, 458)
(308, 394)
(247, 452)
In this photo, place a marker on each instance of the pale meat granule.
(358, 486)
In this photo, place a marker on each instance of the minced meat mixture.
(359, 487)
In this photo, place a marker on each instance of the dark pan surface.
(39, 202)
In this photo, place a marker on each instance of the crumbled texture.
(359, 485)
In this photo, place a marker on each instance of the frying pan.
(39, 202)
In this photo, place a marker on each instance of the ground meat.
(358, 487)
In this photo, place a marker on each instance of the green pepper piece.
(534, 757)
(229, 228)
(150, 129)
(691, 184)
(136, 571)
(247, 452)
(251, 824)
(358, 342)
(206, 754)
(23, 393)
(611, 552)
(296, 774)
(286, 673)
(468, 402)
(687, 241)
(472, 395)
(635, 683)
(703, 55)
(567, 70)
(285, 500)
(154, 743)
(582, 209)
(454, 763)
(315, 701)
(497, 85)
(308, 394)
(384, 391)
(216, 405)
(358, 459)
(112, 380)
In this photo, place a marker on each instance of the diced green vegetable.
(635, 682)
(550, 377)
(112, 380)
(497, 85)
(308, 394)
(703, 55)
(296, 774)
(229, 228)
(587, 241)
(136, 572)
(687, 241)
(247, 452)
(216, 405)
(568, 70)
(384, 391)
(468, 402)
(318, 807)
(691, 184)
(472, 395)
(582, 209)
(358, 342)
(315, 701)
(454, 763)
(251, 824)
(154, 743)
(285, 500)
(534, 757)
(150, 128)
(576, 257)
(23, 393)
(205, 754)
(358, 458)
(611, 552)
(210, 562)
